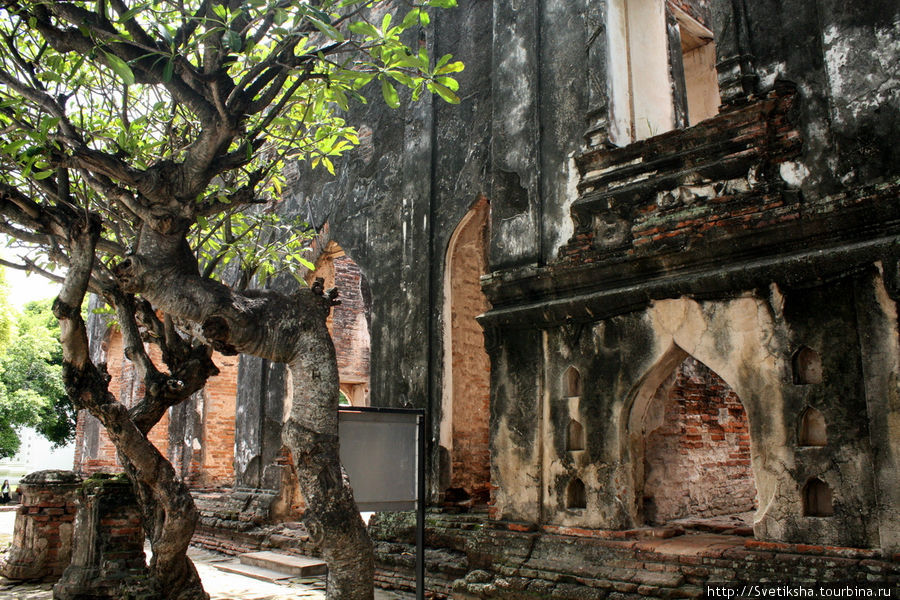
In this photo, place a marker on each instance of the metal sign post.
(383, 452)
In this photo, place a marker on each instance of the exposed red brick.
(697, 462)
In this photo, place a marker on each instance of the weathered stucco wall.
(749, 343)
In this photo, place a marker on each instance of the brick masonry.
(349, 321)
(655, 209)
(205, 459)
(42, 541)
(108, 553)
(469, 557)
(697, 461)
(470, 456)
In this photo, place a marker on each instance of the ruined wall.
(349, 322)
(623, 360)
(218, 402)
(197, 436)
(772, 221)
(766, 228)
(466, 401)
(393, 207)
(696, 449)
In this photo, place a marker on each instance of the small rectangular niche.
(818, 500)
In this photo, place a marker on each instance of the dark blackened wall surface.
(547, 75)
(842, 57)
(397, 199)
(259, 409)
(566, 74)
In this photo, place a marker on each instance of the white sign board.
(378, 451)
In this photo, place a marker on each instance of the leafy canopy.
(180, 113)
(32, 393)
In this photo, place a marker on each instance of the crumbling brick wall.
(217, 467)
(697, 461)
(349, 321)
(211, 456)
(470, 458)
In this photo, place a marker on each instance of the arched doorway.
(690, 442)
(466, 390)
(348, 322)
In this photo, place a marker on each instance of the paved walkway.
(219, 584)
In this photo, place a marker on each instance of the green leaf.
(414, 62)
(443, 61)
(340, 98)
(363, 28)
(448, 82)
(327, 29)
(454, 67)
(390, 94)
(233, 39)
(402, 78)
(132, 12)
(13, 147)
(411, 18)
(120, 67)
(166, 34)
(444, 92)
(168, 71)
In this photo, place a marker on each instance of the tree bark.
(282, 328)
(167, 506)
(311, 434)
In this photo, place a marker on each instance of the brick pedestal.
(108, 554)
(42, 542)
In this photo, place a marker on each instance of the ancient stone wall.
(469, 560)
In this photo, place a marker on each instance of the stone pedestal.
(42, 541)
(108, 553)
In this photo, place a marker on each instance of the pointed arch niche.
(689, 439)
(349, 322)
(466, 374)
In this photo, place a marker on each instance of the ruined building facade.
(677, 225)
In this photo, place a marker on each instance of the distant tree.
(32, 393)
(133, 137)
(33, 363)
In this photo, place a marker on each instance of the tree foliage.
(103, 104)
(32, 393)
(142, 145)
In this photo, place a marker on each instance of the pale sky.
(23, 287)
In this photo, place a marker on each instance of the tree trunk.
(311, 434)
(169, 527)
(166, 504)
(281, 328)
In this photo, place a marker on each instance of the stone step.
(268, 575)
(295, 566)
